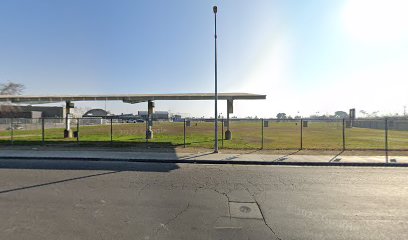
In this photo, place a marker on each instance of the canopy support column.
(68, 130)
(230, 109)
(149, 131)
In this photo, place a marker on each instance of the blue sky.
(307, 56)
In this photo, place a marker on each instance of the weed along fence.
(331, 134)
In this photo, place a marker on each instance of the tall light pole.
(216, 91)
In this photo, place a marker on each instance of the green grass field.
(246, 135)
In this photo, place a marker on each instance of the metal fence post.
(344, 136)
(11, 131)
(77, 130)
(42, 131)
(262, 130)
(301, 134)
(111, 130)
(222, 131)
(184, 132)
(386, 139)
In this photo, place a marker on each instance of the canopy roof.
(127, 98)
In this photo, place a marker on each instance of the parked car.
(135, 121)
(131, 120)
(16, 127)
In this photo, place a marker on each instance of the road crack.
(178, 214)
(164, 225)
(264, 220)
(262, 214)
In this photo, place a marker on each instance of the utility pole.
(216, 91)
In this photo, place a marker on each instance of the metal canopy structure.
(127, 98)
(131, 98)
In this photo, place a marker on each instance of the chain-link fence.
(328, 134)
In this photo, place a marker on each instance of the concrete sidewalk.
(207, 158)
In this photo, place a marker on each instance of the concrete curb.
(190, 161)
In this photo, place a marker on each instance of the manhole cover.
(245, 210)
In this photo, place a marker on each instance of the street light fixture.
(216, 91)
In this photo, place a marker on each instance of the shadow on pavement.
(111, 165)
(285, 157)
(86, 165)
(54, 182)
(242, 154)
(193, 156)
(336, 158)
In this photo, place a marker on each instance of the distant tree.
(11, 88)
(363, 112)
(370, 115)
(340, 114)
(315, 116)
(374, 114)
(281, 116)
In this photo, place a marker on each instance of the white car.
(16, 127)
(135, 121)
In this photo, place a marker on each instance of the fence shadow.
(336, 157)
(241, 154)
(285, 157)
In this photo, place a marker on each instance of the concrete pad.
(236, 229)
(248, 210)
(240, 196)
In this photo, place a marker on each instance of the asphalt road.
(105, 200)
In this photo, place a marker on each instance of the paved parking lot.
(46, 199)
